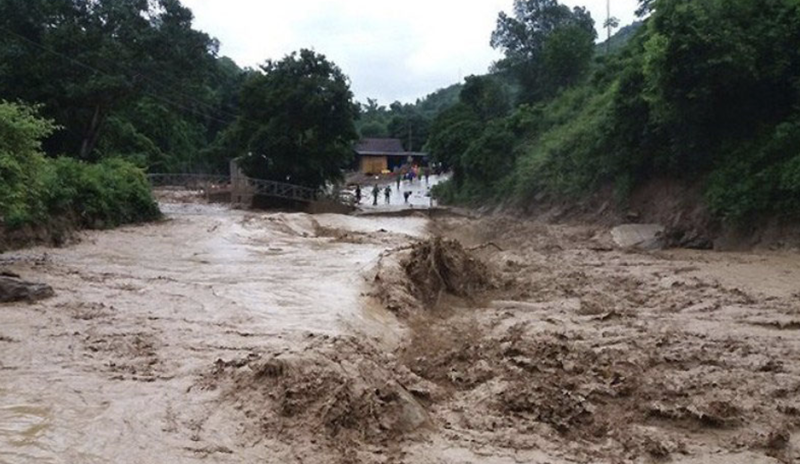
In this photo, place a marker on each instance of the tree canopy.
(467, 137)
(408, 122)
(107, 70)
(547, 46)
(297, 121)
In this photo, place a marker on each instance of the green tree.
(567, 56)
(154, 135)
(86, 61)
(490, 157)
(373, 119)
(374, 129)
(486, 96)
(409, 125)
(467, 136)
(452, 132)
(297, 121)
(719, 70)
(547, 46)
(609, 25)
(433, 104)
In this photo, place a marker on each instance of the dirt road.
(226, 336)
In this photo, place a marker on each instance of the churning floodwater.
(100, 372)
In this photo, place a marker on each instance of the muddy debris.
(714, 414)
(415, 278)
(641, 236)
(338, 394)
(525, 380)
(610, 356)
(439, 265)
(345, 236)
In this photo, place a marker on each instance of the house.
(376, 156)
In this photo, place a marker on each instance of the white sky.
(391, 50)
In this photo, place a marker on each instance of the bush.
(21, 163)
(761, 177)
(106, 194)
(569, 153)
(34, 189)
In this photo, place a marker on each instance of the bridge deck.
(244, 187)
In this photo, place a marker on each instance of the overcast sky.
(391, 50)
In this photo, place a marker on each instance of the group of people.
(387, 194)
(413, 172)
(409, 173)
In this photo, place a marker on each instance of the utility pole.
(608, 27)
(610, 24)
(408, 123)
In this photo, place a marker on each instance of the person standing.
(358, 194)
(375, 192)
(387, 193)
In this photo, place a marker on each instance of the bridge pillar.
(241, 190)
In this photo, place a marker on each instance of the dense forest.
(703, 92)
(128, 79)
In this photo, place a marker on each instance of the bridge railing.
(199, 181)
(242, 186)
(282, 190)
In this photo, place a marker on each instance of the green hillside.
(704, 93)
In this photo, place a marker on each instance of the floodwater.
(100, 373)
(150, 350)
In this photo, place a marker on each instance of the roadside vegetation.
(54, 193)
(703, 92)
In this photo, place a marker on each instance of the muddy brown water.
(99, 373)
(107, 371)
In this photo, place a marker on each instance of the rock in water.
(642, 236)
(16, 289)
